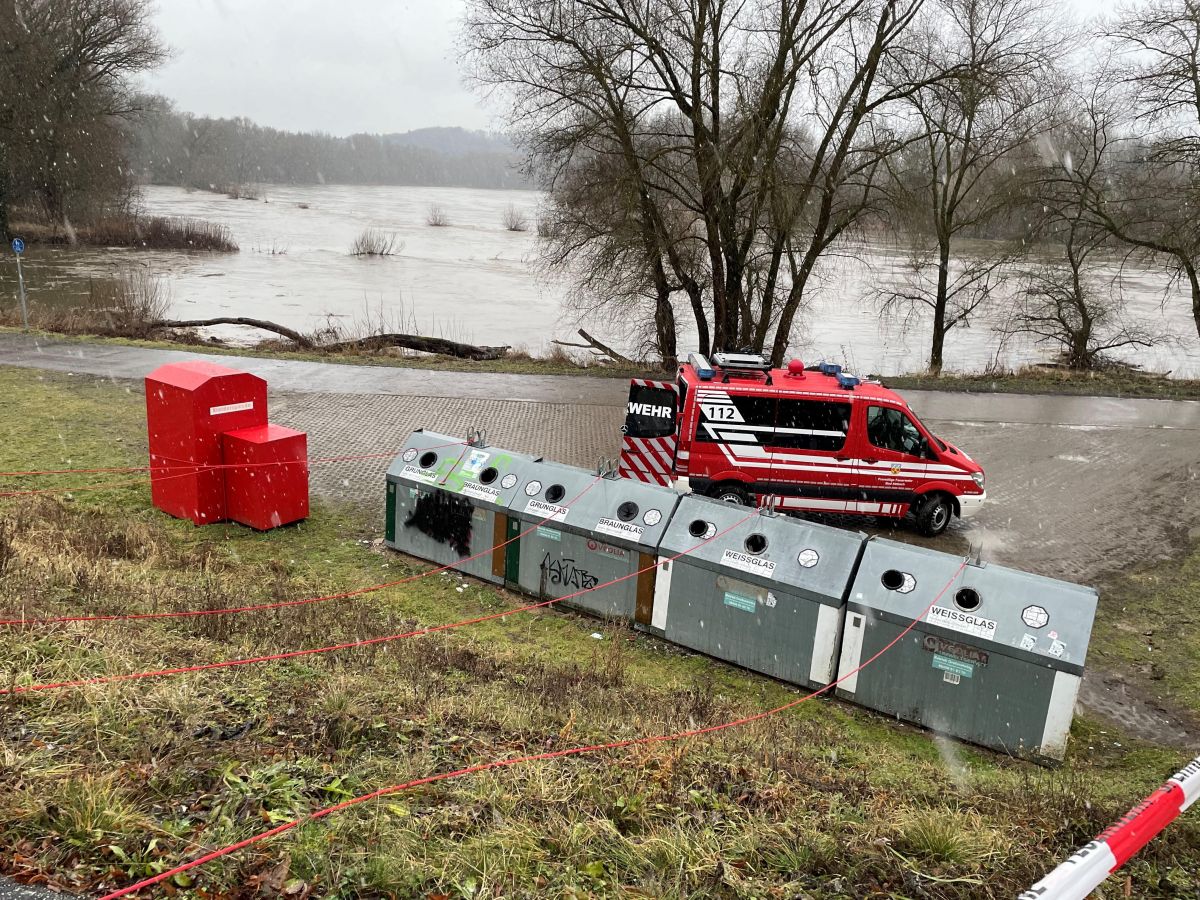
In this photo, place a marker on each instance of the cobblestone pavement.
(1066, 501)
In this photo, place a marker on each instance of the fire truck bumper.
(969, 504)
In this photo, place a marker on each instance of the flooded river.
(473, 280)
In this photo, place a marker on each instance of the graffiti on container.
(444, 518)
(564, 573)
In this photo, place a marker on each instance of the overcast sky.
(338, 66)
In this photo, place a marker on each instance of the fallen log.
(598, 348)
(440, 346)
(294, 336)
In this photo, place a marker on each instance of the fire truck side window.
(737, 420)
(811, 425)
(891, 429)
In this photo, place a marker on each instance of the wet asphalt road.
(1077, 487)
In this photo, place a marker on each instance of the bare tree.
(67, 86)
(749, 130)
(957, 180)
(1150, 200)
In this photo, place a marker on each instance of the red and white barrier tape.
(1087, 868)
(536, 757)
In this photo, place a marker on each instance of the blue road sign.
(18, 246)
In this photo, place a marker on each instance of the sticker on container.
(747, 563)
(959, 667)
(549, 533)
(230, 408)
(652, 517)
(1057, 648)
(770, 602)
(475, 461)
(480, 491)
(410, 454)
(957, 620)
(808, 558)
(740, 601)
(601, 547)
(419, 474)
(936, 644)
(620, 529)
(1028, 642)
(951, 678)
(546, 510)
(508, 481)
(1035, 616)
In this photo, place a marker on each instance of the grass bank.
(108, 784)
(1046, 380)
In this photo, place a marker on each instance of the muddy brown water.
(476, 281)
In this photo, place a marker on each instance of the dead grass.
(1111, 382)
(104, 785)
(124, 306)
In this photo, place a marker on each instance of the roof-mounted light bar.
(701, 365)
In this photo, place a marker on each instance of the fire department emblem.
(896, 469)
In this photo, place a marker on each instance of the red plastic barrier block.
(188, 406)
(266, 484)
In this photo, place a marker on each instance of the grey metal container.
(767, 594)
(995, 656)
(579, 531)
(447, 503)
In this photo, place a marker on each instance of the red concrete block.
(266, 484)
(188, 406)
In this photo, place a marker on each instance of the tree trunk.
(939, 307)
(1194, 282)
(664, 331)
(696, 298)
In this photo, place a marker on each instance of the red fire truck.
(815, 439)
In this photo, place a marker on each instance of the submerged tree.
(985, 71)
(738, 141)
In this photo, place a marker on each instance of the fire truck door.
(649, 433)
(890, 464)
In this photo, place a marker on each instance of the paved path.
(1078, 487)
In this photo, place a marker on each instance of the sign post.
(18, 247)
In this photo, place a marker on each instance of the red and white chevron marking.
(1090, 865)
(648, 459)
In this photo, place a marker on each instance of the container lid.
(489, 477)
(811, 560)
(978, 604)
(620, 511)
(427, 458)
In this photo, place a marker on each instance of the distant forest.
(171, 147)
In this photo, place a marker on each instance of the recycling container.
(452, 509)
(995, 655)
(188, 407)
(266, 476)
(579, 531)
(767, 593)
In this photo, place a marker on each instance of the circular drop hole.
(755, 544)
(488, 475)
(555, 492)
(428, 458)
(698, 528)
(892, 580)
(967, 599)
(627, 511)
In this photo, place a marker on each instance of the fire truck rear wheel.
(934, 514)
(731, 492)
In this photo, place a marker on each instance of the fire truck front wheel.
(933, 514)
(730, 492)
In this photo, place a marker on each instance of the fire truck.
(814, 439)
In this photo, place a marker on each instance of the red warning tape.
(536, 757)
(285, 604)
(351, 645)
(1090, 865)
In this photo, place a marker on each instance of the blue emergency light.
(847, 382)
(830, 368)
(704, 370)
